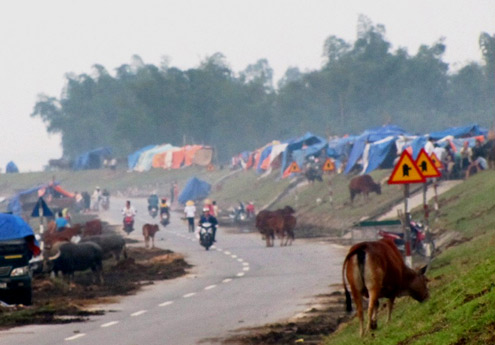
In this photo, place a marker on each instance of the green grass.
(462, 280)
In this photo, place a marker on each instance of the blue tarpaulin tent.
(308, 143)
(92, 159)
(195, 189)
(11, 168)
(13, 227)
(459, 132)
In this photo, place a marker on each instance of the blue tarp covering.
(305, 142)
(195, 189)
(340, 148)
(264, 155)
(13, 227)
(370, 136)
(133, 158)
(381, 153)
(11, 168)
(92, 159)
(460, 132)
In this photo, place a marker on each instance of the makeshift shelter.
(54, 195)
(11, 168)
(298, 149)
(194, 190)
(133, 158)
(146, 158)
(203, 156)
(92, 159)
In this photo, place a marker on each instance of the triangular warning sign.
(294, 168)
(406, 171)
(438, 163)
(329, 165)
(426, 166)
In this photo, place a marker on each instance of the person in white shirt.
(189, 213)
(129, 212)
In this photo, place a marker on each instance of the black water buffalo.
(73, 257)
(110, 244)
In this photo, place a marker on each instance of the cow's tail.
(361, 254)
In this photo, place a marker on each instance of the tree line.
(360, 85)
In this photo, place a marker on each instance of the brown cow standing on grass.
(149, 231)
(376, 270)
(363, 184)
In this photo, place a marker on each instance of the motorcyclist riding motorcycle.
(153, 203)
(206, 217)
(129, 213)
(164, 212)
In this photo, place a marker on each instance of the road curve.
(238, 283)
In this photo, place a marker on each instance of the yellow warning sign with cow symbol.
(329, 165)
(294, 168)
(426, 165)
(436, 161)
(406, 171)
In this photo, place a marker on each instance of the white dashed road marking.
(108, 324)
(210, 287)
(74, 337)
(245, 268)
(245, 264)
(227, 252)
(240, 274)
(240, 260)
(234, 256)
(228, 280)
(189, 295)
(141, 312)
(164, 304)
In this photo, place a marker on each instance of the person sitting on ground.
(61, 222)
(206, 217)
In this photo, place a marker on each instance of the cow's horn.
(55, 257)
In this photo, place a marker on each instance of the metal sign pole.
(42, 227)
(406, 227)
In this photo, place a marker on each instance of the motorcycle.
(165, 219)
(419, 244)
(238, 214)
(128, 224)
(153, 211)
(206, 235)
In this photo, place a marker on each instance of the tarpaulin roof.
(133, 158)
(146, 158)
(11, 168)
(195, 189)
(380, 153)
(92, 159)
(305, 142)
(370, 136)
(459, 132)
(13, 227)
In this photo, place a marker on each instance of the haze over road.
(239, 283)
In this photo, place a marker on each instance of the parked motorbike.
(206, 235)
(419, 243)
(165, 219)
(238, 214)
(153, 211)
(128, 224)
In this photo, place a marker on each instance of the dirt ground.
(55, 301)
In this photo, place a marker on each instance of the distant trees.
(360, 84)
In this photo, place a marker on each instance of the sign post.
(428, 169)
(40, 210)
(406, 172)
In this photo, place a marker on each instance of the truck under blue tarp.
(370, 136)
(308, 143)
(11, 168)
(133, 158)
(194, 190)
(13, 227)
(92, 159)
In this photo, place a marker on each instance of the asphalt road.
(238, 283)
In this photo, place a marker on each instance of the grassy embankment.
(462, 279)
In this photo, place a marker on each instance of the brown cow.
(65, 235)
(149, 231)
(376, 270)
(93, 228)
(280, 223)
(363, 184)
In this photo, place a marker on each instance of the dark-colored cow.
(376, 270)
(149, 231)
(363, 184)
(92, 228)
(73, 257)
(111, 244)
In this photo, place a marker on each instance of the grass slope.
(462, 279)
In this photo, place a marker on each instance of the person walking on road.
(189, 213)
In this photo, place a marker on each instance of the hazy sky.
(40, 41)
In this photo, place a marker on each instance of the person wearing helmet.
(164, 209)
(207, 217)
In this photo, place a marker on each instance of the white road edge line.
(189, 295)
(74, 337)
(108, 324)
(141, 312)
(210, 287)
(164, 304)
